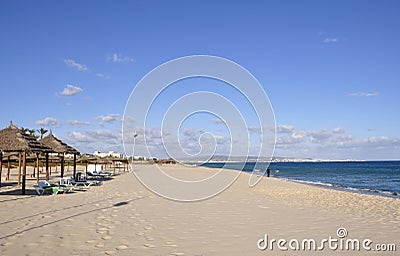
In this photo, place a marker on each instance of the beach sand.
(122, 217)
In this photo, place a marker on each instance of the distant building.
(144, 158)
(110, 153)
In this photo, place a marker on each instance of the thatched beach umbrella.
(92, 159)
(117, 161)
(59, 147)
(12, 139)
(10, 157)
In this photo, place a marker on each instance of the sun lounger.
(44, 186)
(70, 183)
(95, 174)
(81, 179)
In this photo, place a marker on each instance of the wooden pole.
(19, 168)
(87, 163)
(1, 164)
(74, 166)
(47, 166)
(37, 163)
(23, 172)
(62, 165)
(9, 167)
(34, 169)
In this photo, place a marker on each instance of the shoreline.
(361, 191)
(313, 182)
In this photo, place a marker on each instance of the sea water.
(371, 177)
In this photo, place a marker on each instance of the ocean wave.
(346, 188)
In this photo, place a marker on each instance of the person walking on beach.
(268, 172)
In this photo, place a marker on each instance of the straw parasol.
(87, 158)
(60, 147)
(12, 139)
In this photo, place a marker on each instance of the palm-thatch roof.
(57, 145)
(12, 139)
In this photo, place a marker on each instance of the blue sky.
(330, 68)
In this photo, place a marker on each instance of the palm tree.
(42, 132)
(24, 130)
(32, 133)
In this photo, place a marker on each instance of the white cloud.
(254, 129)
(119, 58)
(78, 137)
(103, 135)
(48, 121)
(343, 140)
(218, 121)
(109, 118)
(103, 76)
(330, 40)
(77, 123)
(71, 90)
(364, 94)
(95, 137)
(284, 129)
(338, 130)
(320, 136)
(73, 64)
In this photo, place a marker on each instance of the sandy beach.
(122, 217)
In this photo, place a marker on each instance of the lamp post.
(133, 149)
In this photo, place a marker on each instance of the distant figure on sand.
(268, 172)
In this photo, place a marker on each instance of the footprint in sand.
(99, 245)
(109, 252)
(121, 247)
(176, 253)
(102, 229)
(149, 245)
(106, 237)
(91, 241)
(148, 228)
(149, 239)
(170, 245)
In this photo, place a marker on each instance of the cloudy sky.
(331, 69)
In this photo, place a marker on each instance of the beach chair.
(96, 174)
(52, 188)
(69, 183)
(83, 183)
(81, 180)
